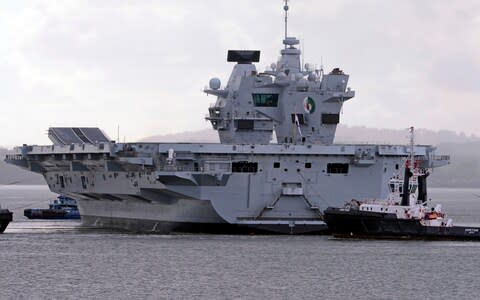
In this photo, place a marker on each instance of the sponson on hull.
(247, 182)
(6, 217)
(402, 215)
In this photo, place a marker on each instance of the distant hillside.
(198, 136)
(362, 134)
(344, 134)
(464, 170)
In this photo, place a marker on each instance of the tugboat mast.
(409, 169)
(412, 147)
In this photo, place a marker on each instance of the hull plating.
(190, 216)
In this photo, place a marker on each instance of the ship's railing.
(441, 157)
(248, 115)
(218, 158)
(13, 157)
(63, 149)
(174, 168)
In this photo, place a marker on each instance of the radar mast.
(285, 8)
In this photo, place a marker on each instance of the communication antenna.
(285, 8)
(303, 53)
(321, 65)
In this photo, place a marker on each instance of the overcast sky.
(142, 64)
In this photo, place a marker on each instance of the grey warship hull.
(215, 187)
(245, 181)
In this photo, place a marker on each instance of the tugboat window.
(337, 168)
(265, 100)
(308, 165)
(392, 187)
(413, 189)
(276, 165)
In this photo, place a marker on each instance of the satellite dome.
(215, 83)
(312, 77)
(281, 76)
(302, 83)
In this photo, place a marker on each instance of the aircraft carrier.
(247, 182)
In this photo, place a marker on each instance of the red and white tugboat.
(402, 215)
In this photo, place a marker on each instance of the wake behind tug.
(403, 215)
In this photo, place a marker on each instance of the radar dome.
(302, 83)
(215, 83)
(312, 77)
(281, 76)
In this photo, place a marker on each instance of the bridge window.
(84, 182)
(337, 168)
(244, 167)
(330, 118)
(301, 119)
(265, 100)
(245, 125)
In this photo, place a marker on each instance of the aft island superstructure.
(245, 182)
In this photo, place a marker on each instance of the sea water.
(42, 259)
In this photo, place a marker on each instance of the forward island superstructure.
(245, 182)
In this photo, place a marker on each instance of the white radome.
(215, 83)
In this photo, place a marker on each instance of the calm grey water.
(45, 259)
